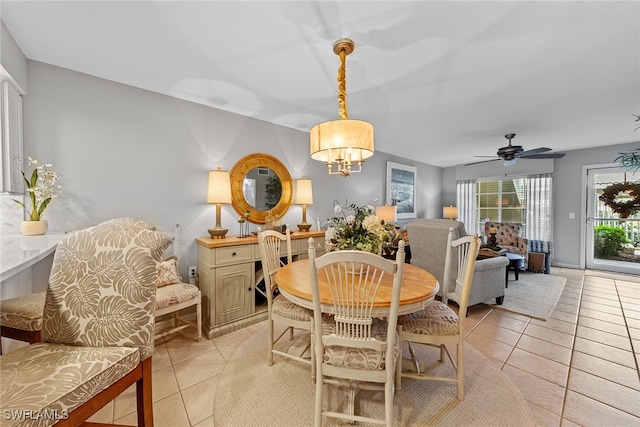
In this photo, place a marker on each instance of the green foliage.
(609, 240)
(361, 231)
(273, 190)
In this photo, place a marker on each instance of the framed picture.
(401, 189)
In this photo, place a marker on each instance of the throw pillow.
(168, 273)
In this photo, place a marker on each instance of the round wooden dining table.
(419, 287)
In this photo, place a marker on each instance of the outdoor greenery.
(609, 240)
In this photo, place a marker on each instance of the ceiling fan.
(511, 153)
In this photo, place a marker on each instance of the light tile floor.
(578, 368)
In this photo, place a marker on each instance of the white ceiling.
(441, 82)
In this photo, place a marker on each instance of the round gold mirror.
(259, 183)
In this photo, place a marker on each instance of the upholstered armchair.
(428, 239)
(509, 235)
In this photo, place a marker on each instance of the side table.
(516, 262)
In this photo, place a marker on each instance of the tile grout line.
(626, 324)
(573, 344)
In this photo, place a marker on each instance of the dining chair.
(437, 324)
(97, 330)
(21, 318)
(172, 296)
(280, 309)
(351, 347)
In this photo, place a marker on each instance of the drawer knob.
(233, 254)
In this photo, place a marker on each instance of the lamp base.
(304, 227)
(217, 233)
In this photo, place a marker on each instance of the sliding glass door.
(613, 231)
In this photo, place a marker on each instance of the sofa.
(428, 239)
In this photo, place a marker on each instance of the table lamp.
(219, 191)
(450, 212)
(387, 213)
(304, 197)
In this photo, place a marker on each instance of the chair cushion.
(353, 357)
(52, 379)
(23, 312)
(285, 308)
(435, 319)
(175, 294)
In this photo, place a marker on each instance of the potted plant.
(41, 188)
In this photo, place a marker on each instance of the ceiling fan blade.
(534, 151)
(546, 156)
(484, 161)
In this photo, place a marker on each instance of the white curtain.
(466, 201)
(539, 209)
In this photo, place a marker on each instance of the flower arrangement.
(361, 231)
(42, 188)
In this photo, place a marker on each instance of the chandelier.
(343, 144)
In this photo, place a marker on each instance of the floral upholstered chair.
(509, 235)
(97, 330)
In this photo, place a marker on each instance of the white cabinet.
(11, 134)
(229, 271)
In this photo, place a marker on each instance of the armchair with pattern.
(509, 235)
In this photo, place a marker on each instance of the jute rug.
(250, 393)
(533, 295)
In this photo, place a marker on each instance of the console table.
(229, 270)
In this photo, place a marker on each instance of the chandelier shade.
(342, 144)
(342, 139)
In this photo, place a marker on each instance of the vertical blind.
(539, 212)
(466, 201)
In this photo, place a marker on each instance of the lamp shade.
(343, 139)
(450, 212)
(219, 188)
(304, 192)
(387, 213)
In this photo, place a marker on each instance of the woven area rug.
(250, 393)
(533, 295)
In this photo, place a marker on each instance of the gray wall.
(12, 58)
(570, 191)
(126, 151)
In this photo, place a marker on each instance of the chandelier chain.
(342, 86)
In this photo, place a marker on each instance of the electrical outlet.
(192, 272)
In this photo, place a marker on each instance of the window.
(501, 201)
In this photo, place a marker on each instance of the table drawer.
(233, 254)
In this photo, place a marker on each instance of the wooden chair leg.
(144, 395)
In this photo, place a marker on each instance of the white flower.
(41, 188)
(361, 231)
